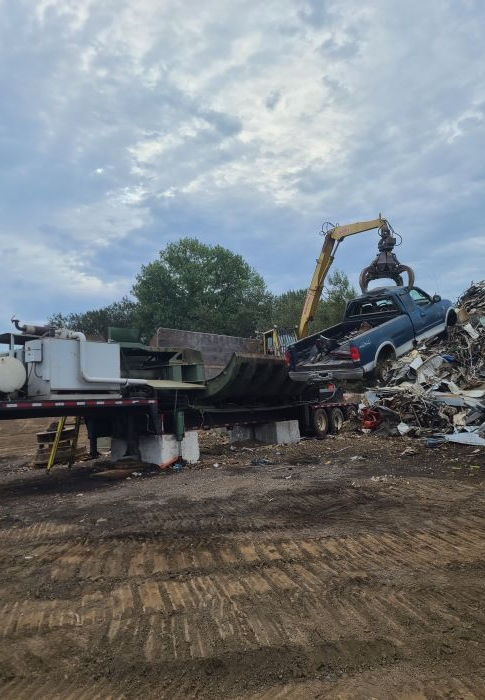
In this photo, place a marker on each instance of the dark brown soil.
(350, 567)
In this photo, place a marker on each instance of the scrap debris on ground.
(438, 390)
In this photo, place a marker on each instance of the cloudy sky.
(127, 124)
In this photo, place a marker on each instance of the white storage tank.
(12, 374)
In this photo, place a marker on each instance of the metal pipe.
(32, 330)
(103, 380)
(66, 334)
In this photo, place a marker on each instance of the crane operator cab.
(276, 340)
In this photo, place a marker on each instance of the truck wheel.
(450, 322)
(384, 362)
(320, 422)
(336, 420)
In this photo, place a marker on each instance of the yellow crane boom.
(330, 244)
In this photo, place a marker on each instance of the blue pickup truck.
(377, 327)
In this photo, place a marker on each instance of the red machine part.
(371, 419)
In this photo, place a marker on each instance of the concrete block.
(241, 433)
(190, 446)
(118, 448)
(282, 432)
(157, 449)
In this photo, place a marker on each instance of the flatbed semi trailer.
(315, 418)
(127, 390)
(11, 410)
(119, 417)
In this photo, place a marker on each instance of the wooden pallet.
(62, 457)
(45, 440)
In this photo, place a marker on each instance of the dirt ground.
(350, 568)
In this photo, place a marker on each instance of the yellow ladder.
(59, 430)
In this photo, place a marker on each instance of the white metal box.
(56, 365)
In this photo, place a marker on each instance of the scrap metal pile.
(439, 388)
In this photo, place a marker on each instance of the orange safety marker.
(168, 463)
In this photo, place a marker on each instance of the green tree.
(122, 313)
(193, 286)
(337, 293)
(287, 307)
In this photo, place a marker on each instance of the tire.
(320, 422)
(351, 413)
(336, 420)
(352, 418)
(450, 322)
(383, 363)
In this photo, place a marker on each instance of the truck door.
(399, 333)
(425, 314)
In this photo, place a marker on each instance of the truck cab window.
(372, 307)
(419, 297)
(386, 304)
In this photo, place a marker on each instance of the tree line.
(198, 287)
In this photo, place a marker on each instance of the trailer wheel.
(320, 422)
(351, 413)
(352, 416)
(336, 420)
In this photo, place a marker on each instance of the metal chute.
(251, 377)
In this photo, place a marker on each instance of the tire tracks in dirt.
(201, 606)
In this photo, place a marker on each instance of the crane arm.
(330, 244)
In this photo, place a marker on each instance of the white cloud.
(455, 128)
(98, 224)
(74, 12)
(129, 124)
(51, 274)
